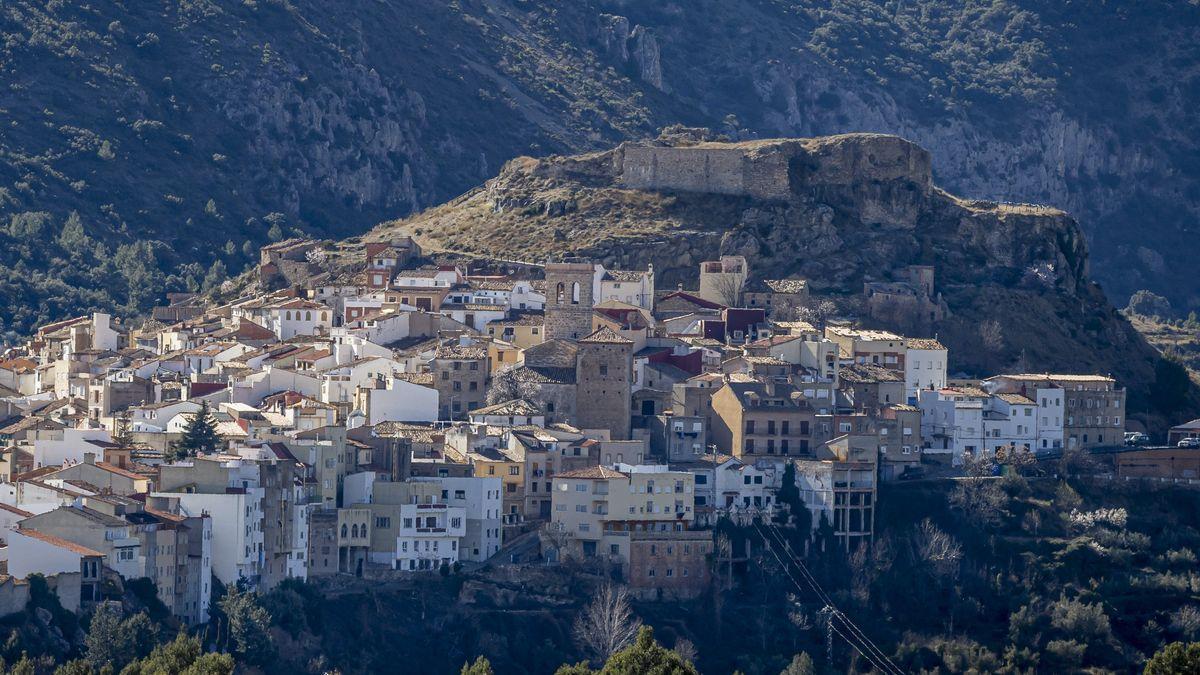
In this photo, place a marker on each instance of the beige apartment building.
(757, 419)
(1094, 409)
(870, 347)
(598, 508)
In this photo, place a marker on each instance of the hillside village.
(409, 418)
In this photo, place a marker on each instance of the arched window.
(345, 530)
(562, 292)
(324, 316)
(575, 293)
(288, 315)
(308, 316)
(354, 531)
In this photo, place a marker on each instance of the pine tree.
(249, 626)
(481, 667)
(217, 274)
(200, 434)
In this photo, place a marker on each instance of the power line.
(812, 580)
(832, 611)
(857, 642)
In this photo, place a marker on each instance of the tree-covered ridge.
(52, 268)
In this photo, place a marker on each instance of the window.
(604, 369)
(383, 522)
(749, 426)
(749, 445)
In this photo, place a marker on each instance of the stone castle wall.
(766, 169)
(729, 170)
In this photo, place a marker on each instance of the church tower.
(569, 300)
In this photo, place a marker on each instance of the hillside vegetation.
(987, 575)
(195, 131)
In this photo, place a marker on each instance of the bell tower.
(569, 300)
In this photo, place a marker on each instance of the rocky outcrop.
(846, 210)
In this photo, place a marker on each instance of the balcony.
(431, 530)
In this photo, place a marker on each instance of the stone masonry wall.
(603, 379)
(721, 170)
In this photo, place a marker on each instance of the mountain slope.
(192, 131)
(838, 211)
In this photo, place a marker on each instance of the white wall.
(404, 402)
(924, 369)
(359, 488)
(482, 502)
(27, 555)
(235, 553)
(71, 447)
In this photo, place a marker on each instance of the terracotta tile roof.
(606, 335)
(592, 473)
(61, 543)
(1049, 377)
(14, 510)
(926, 344)
(518, 406)
(521, 319)
(623, 275)
(423, 379)
(112, 468)
(786, 285)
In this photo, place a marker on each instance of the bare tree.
(607, 625)
(686, 650)
(981, 500)
(992, 336)
(729, 289)
(507, 385)
(816, 312)
(938, 549)
(556, 537)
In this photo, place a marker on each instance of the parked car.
(1136, 438)
(1188, 443)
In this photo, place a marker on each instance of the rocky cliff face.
(849, 209)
